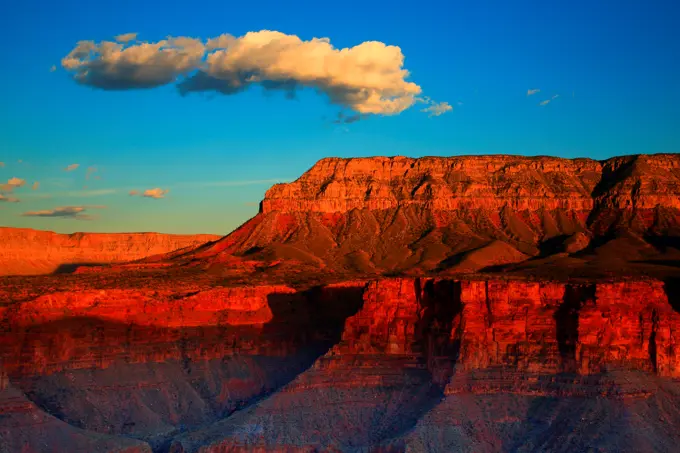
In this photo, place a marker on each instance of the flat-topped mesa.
(439, 183)
(24, 251)
(491, 182)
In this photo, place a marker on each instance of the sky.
(177, 117)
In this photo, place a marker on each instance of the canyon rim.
(385, 304)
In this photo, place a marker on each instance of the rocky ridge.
(24, 251)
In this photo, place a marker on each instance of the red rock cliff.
(371, 215)
(492, 182)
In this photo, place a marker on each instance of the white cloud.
(548, 101)
(71, 167)
(126, 37)
(11, 184)
(437, 109)
(151, 193)
(369, 78)
(4, 198)
(111, 65)
(533, 91)
(155, 193)
(64, 212)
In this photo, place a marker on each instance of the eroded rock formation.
(24, 251)
(461, 214)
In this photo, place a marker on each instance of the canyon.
(477, 304)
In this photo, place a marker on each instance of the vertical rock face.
(511, 324)
(629, 325)
(526, 326)
(434, 214)
(441, 183)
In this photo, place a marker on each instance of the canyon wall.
(490, 182)
(24, 251)
(463, 214)
(546, 327)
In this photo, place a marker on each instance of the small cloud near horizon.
(533, 91)
(71, 167)
(36, 185)
(90, 171)
(155, 193)
(2, 164)
(7, 199)
(65, 212)
(11, 184)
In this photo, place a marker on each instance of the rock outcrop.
(462, 214)
(479, 304)
(24, 251)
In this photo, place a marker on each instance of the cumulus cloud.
(111, 65)
(71, 167)
(64, 212)
(533, 91)
(368, 78)
(35, 185)
(11, 184)
(4, 198)
(437, 108)
(151, 193)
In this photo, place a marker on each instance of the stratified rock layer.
(25, 251)
(462, 214)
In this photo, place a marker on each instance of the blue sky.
(614, 64)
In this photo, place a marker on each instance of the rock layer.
(25, 251)
(462, 214)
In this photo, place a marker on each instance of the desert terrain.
(383, 304)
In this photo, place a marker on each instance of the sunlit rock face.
(453, 215)
(393, 364)
(377, 305)
(24, 251)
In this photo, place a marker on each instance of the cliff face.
(440, 183)
(463, 214)
(378, 364)
(25, 251)
(230, 346)
(545, 327)
(490, 182)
